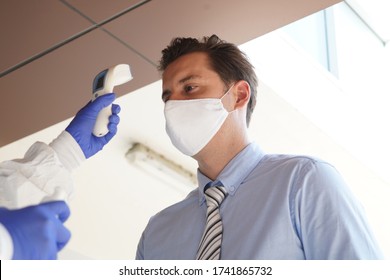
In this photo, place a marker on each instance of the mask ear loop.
(227, 91)
(225, 95)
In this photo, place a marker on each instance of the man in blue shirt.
(276, 206)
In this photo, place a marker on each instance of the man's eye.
(188, 88)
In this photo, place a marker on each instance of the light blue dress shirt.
(278, 207)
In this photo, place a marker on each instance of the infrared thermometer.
(104, 83)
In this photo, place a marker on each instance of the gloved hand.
(82, 125)
(37, 231)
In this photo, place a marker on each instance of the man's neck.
(212, 161)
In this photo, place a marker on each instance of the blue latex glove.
(37, 231)
(82, 125)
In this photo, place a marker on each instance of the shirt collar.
(234, 172)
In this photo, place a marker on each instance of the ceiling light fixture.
(163, 168)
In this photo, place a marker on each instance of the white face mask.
(191, 124)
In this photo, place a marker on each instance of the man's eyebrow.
(191, 77)
(167, 92)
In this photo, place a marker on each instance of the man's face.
(191, 77)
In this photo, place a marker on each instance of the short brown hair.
(226, 59)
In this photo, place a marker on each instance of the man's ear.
(242, 94)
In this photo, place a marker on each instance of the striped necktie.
(210, 245)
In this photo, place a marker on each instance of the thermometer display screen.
(98, 83)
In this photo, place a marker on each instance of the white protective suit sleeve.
(43, 174)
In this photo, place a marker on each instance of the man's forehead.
(188, 61)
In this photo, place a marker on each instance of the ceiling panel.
(54, 87)
(100, 10)
(234, 21)
(30, 27)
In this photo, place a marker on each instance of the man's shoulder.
(289, 161)
(181, 207)
(286, 166)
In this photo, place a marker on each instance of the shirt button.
(231, 189)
